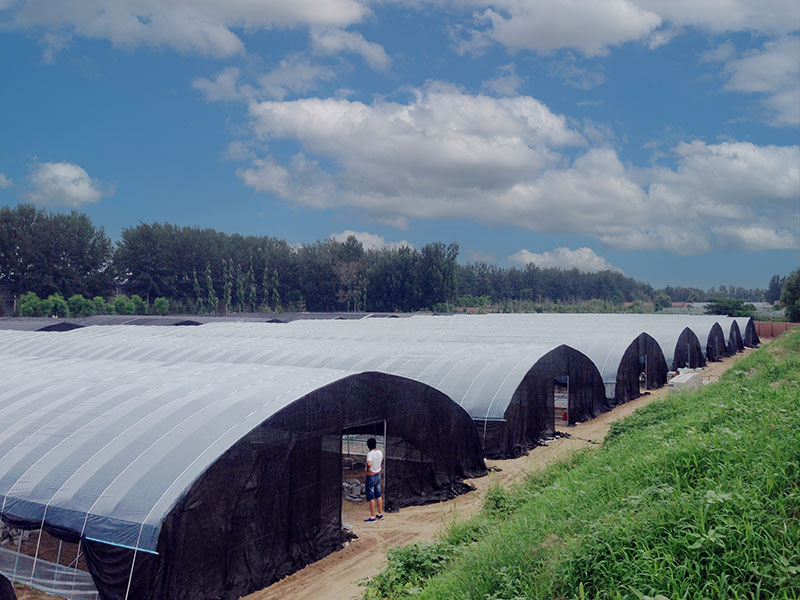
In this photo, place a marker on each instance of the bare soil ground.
(336, 576)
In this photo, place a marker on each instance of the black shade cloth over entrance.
(644, 355)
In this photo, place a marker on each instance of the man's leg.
(380, 505)
(372, 507)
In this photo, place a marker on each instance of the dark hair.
(371, 443)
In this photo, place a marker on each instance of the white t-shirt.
(375, 460)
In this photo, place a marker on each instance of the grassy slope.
(695, 496)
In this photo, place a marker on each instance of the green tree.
(227, 285)
(80, 306)
(276, 295)
(790, 296)
(774, 289)
(58, 306)
(198, 294)
(161, 306)
(212, 295)
(662, 301)
(732, 307)
(252, 291)
(53, 253)
(138, 305)
(99, 305)
(122, 305)
(241, 287)
(29, 305)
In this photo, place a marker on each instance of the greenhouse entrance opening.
(354, 459)
(642, 373)
(561, 399)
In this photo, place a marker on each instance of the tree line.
(199, 270)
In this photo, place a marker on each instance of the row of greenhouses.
(188, 462)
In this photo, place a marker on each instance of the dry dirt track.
(336, 576)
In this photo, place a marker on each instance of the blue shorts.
(373, 484)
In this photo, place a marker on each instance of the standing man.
(373, 481)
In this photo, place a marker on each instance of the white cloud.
(583, 259)
(447, 154)
(506, 83)
(590, 26)
(722, 53)
(294, 74)
(754, 237)
(480, 256)
(593, 26)
(64, 184)
(334, 41)
(224, 86)
(196, 26)
(370, 241)
(719, 16)
(5, 182)
(53, 44)
(773, 71)
(577, 77)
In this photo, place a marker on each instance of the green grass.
(694, 496)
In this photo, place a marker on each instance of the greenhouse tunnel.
(688, 352)
(261, 505)
(215, 543)
(642, 357)
(530, 415)
(714, 339)
(747, 331)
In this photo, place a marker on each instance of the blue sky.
(656, 137)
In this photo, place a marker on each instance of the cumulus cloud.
(53, 44)
(719, 16)
(334, 41)
(577, 77)
(773, 71)
(196, 26)
(294, 74)
(506, 83)
(5, 182)
(590, 26)
(583, 259)
(223, 87)
(64, 184)
(370, 241)
(593, 26)
(511, 161)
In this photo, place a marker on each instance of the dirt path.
(336, 576)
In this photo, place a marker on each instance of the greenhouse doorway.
(642, 374)
(561, 399)
(354, 457)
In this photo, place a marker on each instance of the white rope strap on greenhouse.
(66, 481)
(58, 564)
(163, 436)
(456, 364)
(608, 355)
(44, 426)
(38, 542)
